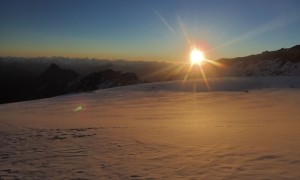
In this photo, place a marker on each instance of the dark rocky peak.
(105, 79)
(55, 70)
(54, 81)
(295, 48)
(130, 76)
(53, 66)
(108, 74)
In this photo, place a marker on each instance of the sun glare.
(196, 57)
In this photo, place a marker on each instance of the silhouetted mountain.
(54, 81)
(104, 79)
(31, 78)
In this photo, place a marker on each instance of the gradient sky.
(146, 29)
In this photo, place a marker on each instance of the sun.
(196, 57)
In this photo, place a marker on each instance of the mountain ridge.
(56, 81)
(19, 77)
(283, 62)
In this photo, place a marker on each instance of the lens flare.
(78, 108)
(196, 57)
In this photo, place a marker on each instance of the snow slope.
(239, 128)
(273, 67)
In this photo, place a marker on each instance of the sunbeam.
(164, 21)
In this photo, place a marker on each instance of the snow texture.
(239, 128)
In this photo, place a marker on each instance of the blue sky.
(146, 30)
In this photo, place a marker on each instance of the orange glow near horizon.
(198, 65)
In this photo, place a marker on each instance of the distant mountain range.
(56, 81)
(33, 78)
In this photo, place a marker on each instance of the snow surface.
(241, 128)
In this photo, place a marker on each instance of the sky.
(162, 30)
